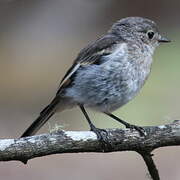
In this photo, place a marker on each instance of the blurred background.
(39, 39)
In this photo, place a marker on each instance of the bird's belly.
(104, 90)
(113, 98)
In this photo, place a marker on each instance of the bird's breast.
(108, 86)
(122, 82)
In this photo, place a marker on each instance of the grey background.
(39, 39)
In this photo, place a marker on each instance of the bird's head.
(138, 29)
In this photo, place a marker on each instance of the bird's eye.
(150, 34)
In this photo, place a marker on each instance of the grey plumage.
(108, 72)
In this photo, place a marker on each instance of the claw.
(141, 131)
(102, 136)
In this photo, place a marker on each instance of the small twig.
(153, 171)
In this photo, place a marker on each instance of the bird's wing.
(90, 55)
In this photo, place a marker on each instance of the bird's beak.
(163, 40)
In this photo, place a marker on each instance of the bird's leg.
(101, 133)
(130, 126)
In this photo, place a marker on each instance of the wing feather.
(91, 54)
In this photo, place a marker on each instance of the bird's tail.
(45, 114)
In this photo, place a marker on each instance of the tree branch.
(27, 148)
(147, 157)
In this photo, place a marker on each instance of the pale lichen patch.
(81, 135)
(6, 143)
(162, 127)
(32, 140)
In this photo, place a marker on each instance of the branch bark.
(147, 156)
(27, 148)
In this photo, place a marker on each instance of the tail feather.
(45, 114)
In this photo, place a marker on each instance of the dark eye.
(150, 34)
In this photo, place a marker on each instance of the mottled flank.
(110, 85)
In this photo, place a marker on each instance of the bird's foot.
(141, 131)
(102, 136)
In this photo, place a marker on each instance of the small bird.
(107, 73)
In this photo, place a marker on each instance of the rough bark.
(61, 141)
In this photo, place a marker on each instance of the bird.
(107, 73)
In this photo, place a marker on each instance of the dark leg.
(101, 133)
(130, 126)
